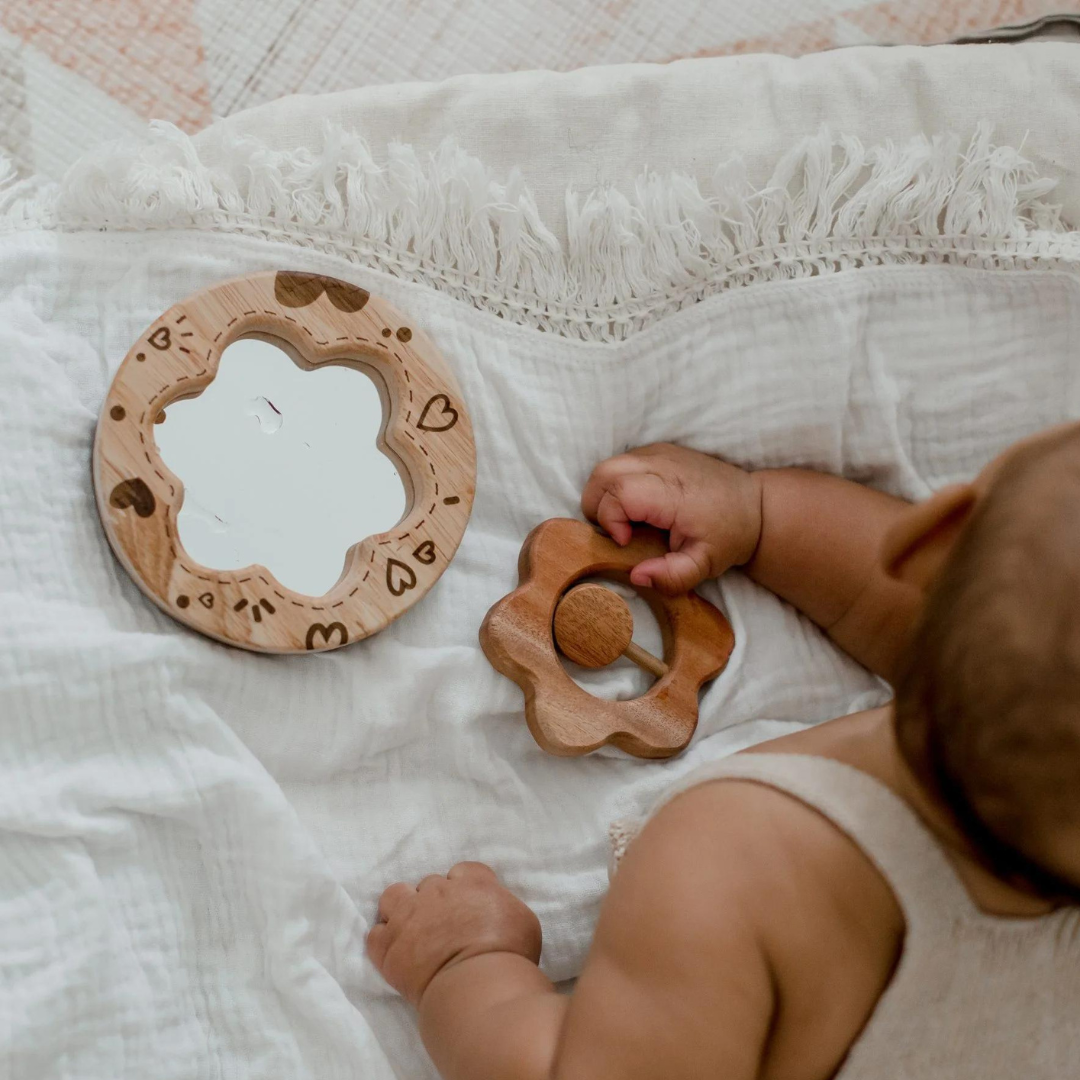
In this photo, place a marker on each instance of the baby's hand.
(711, 510)
(444, 921)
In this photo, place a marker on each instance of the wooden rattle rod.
(653, 665)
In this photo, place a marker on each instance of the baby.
(889, 895)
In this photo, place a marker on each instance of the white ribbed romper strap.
(974, 996)
(887, 830)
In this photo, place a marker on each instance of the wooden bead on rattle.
(594, 627)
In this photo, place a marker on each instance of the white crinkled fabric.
(193, 838)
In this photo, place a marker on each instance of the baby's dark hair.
(988, 699)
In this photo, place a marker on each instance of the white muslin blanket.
(193, 838)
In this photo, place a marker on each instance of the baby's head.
(988, 700)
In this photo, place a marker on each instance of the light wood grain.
(426, 430)
(517, 637)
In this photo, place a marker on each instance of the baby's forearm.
(492, 1017)
(820, 549)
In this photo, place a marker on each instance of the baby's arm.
(677, 983)
(814, 540)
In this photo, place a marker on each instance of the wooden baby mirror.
(426, 432)
(552, 612)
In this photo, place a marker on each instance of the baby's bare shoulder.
(822, 915)
(735, 904)
(740, 838)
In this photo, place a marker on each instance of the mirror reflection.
(280, 466)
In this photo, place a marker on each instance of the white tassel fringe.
(443, 220)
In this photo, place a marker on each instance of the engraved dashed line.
(407, 380)
(367, 574)
(187, 333)
(251, 312)
(296, 603)
(431, 466)
(338, 604)
(420, 523)
(404, 536)
(431, 509)
(356, 589)
(381, 543)
(436, 487)
(280, 596)
(217, 337)
(184, 349)
(423, 450)
(408, 416)
(180, 319)
(410, 435)
(243, 580)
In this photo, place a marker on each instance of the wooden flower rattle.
(592, 626)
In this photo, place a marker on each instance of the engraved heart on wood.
(399, 577)
(425, 553)
(444, 420)
(133, 493)
(298, 290)
(335, 629)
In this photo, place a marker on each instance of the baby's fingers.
(611, 516)
(674, 573)
(616, 502)
(378, 944)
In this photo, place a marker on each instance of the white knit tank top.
(974, 996)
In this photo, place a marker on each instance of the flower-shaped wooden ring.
(520, 633)
(426, 431)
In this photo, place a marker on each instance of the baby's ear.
(919, 542)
